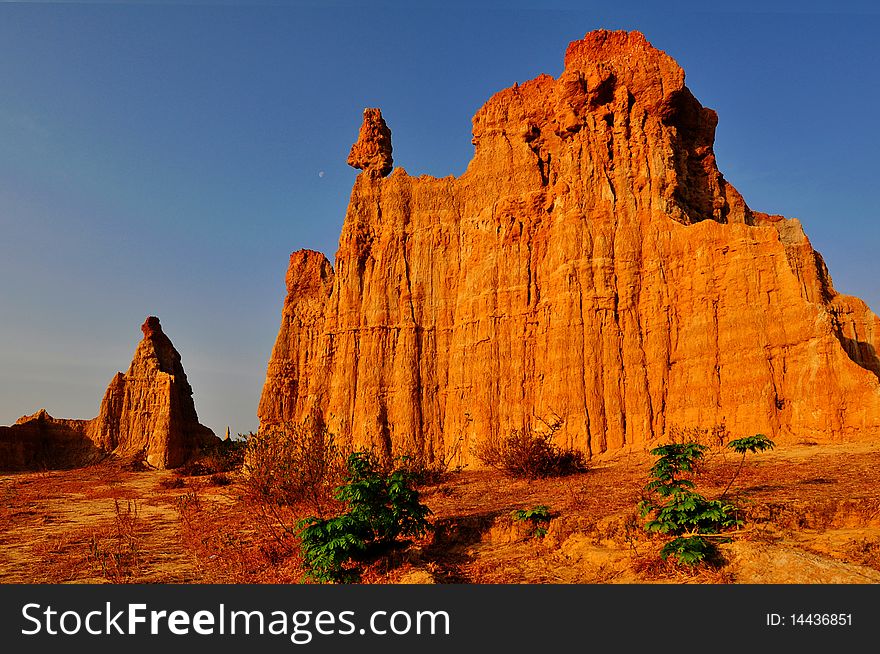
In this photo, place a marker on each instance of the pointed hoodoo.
(372, 152)
(150, 408)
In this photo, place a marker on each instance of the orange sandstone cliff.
(591, 268)
(148, 410)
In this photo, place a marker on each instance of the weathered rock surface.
(39, 442)
(372, 151)
(149, 410)
(150, 407)
(592, 267)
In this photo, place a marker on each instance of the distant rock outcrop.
(592, 269)
(148, 410)
(41, 442)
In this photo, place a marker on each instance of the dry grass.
(109, 523)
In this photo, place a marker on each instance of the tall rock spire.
(150, 407)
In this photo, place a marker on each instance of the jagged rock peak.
(372, 152)
(151, 327)
(150, 408)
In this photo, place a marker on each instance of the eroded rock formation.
(592, 268)
(41, 442)
(372, 151)
(148, 410)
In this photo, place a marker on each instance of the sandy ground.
(812, 516)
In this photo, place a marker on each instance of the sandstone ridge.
(147, 411)
(591, 269)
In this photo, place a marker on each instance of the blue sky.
(158, 158)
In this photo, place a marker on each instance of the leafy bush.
(381, 508)
(672, 507)
(540, 513)
(538, 516)
(687, 511)
(293, 465)
(691, 550)
(524, 453)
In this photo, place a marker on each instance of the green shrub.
(672, 507)
(691, 550)
(381, 507)
(524, 453)
(538, 516)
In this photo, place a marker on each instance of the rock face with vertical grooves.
(591, 268)
(148, 410)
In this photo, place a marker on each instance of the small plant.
(673, 507)
(118, 554)
(219, 479)
(539, 516)
(381, 507)
(690, 550)
(188, 504)
(753, 444)
(524, 453)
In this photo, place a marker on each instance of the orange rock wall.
(41, 442)
(591, 267)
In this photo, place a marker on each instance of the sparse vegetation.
(301, 463)
(753, 444)
(427, 471)
(525, 453)
(188, 504)
(810, 518)
(172, 483)
(224, 456)
(381, 507)
(117, 555)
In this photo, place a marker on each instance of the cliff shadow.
(451, 543)
(862, 353)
